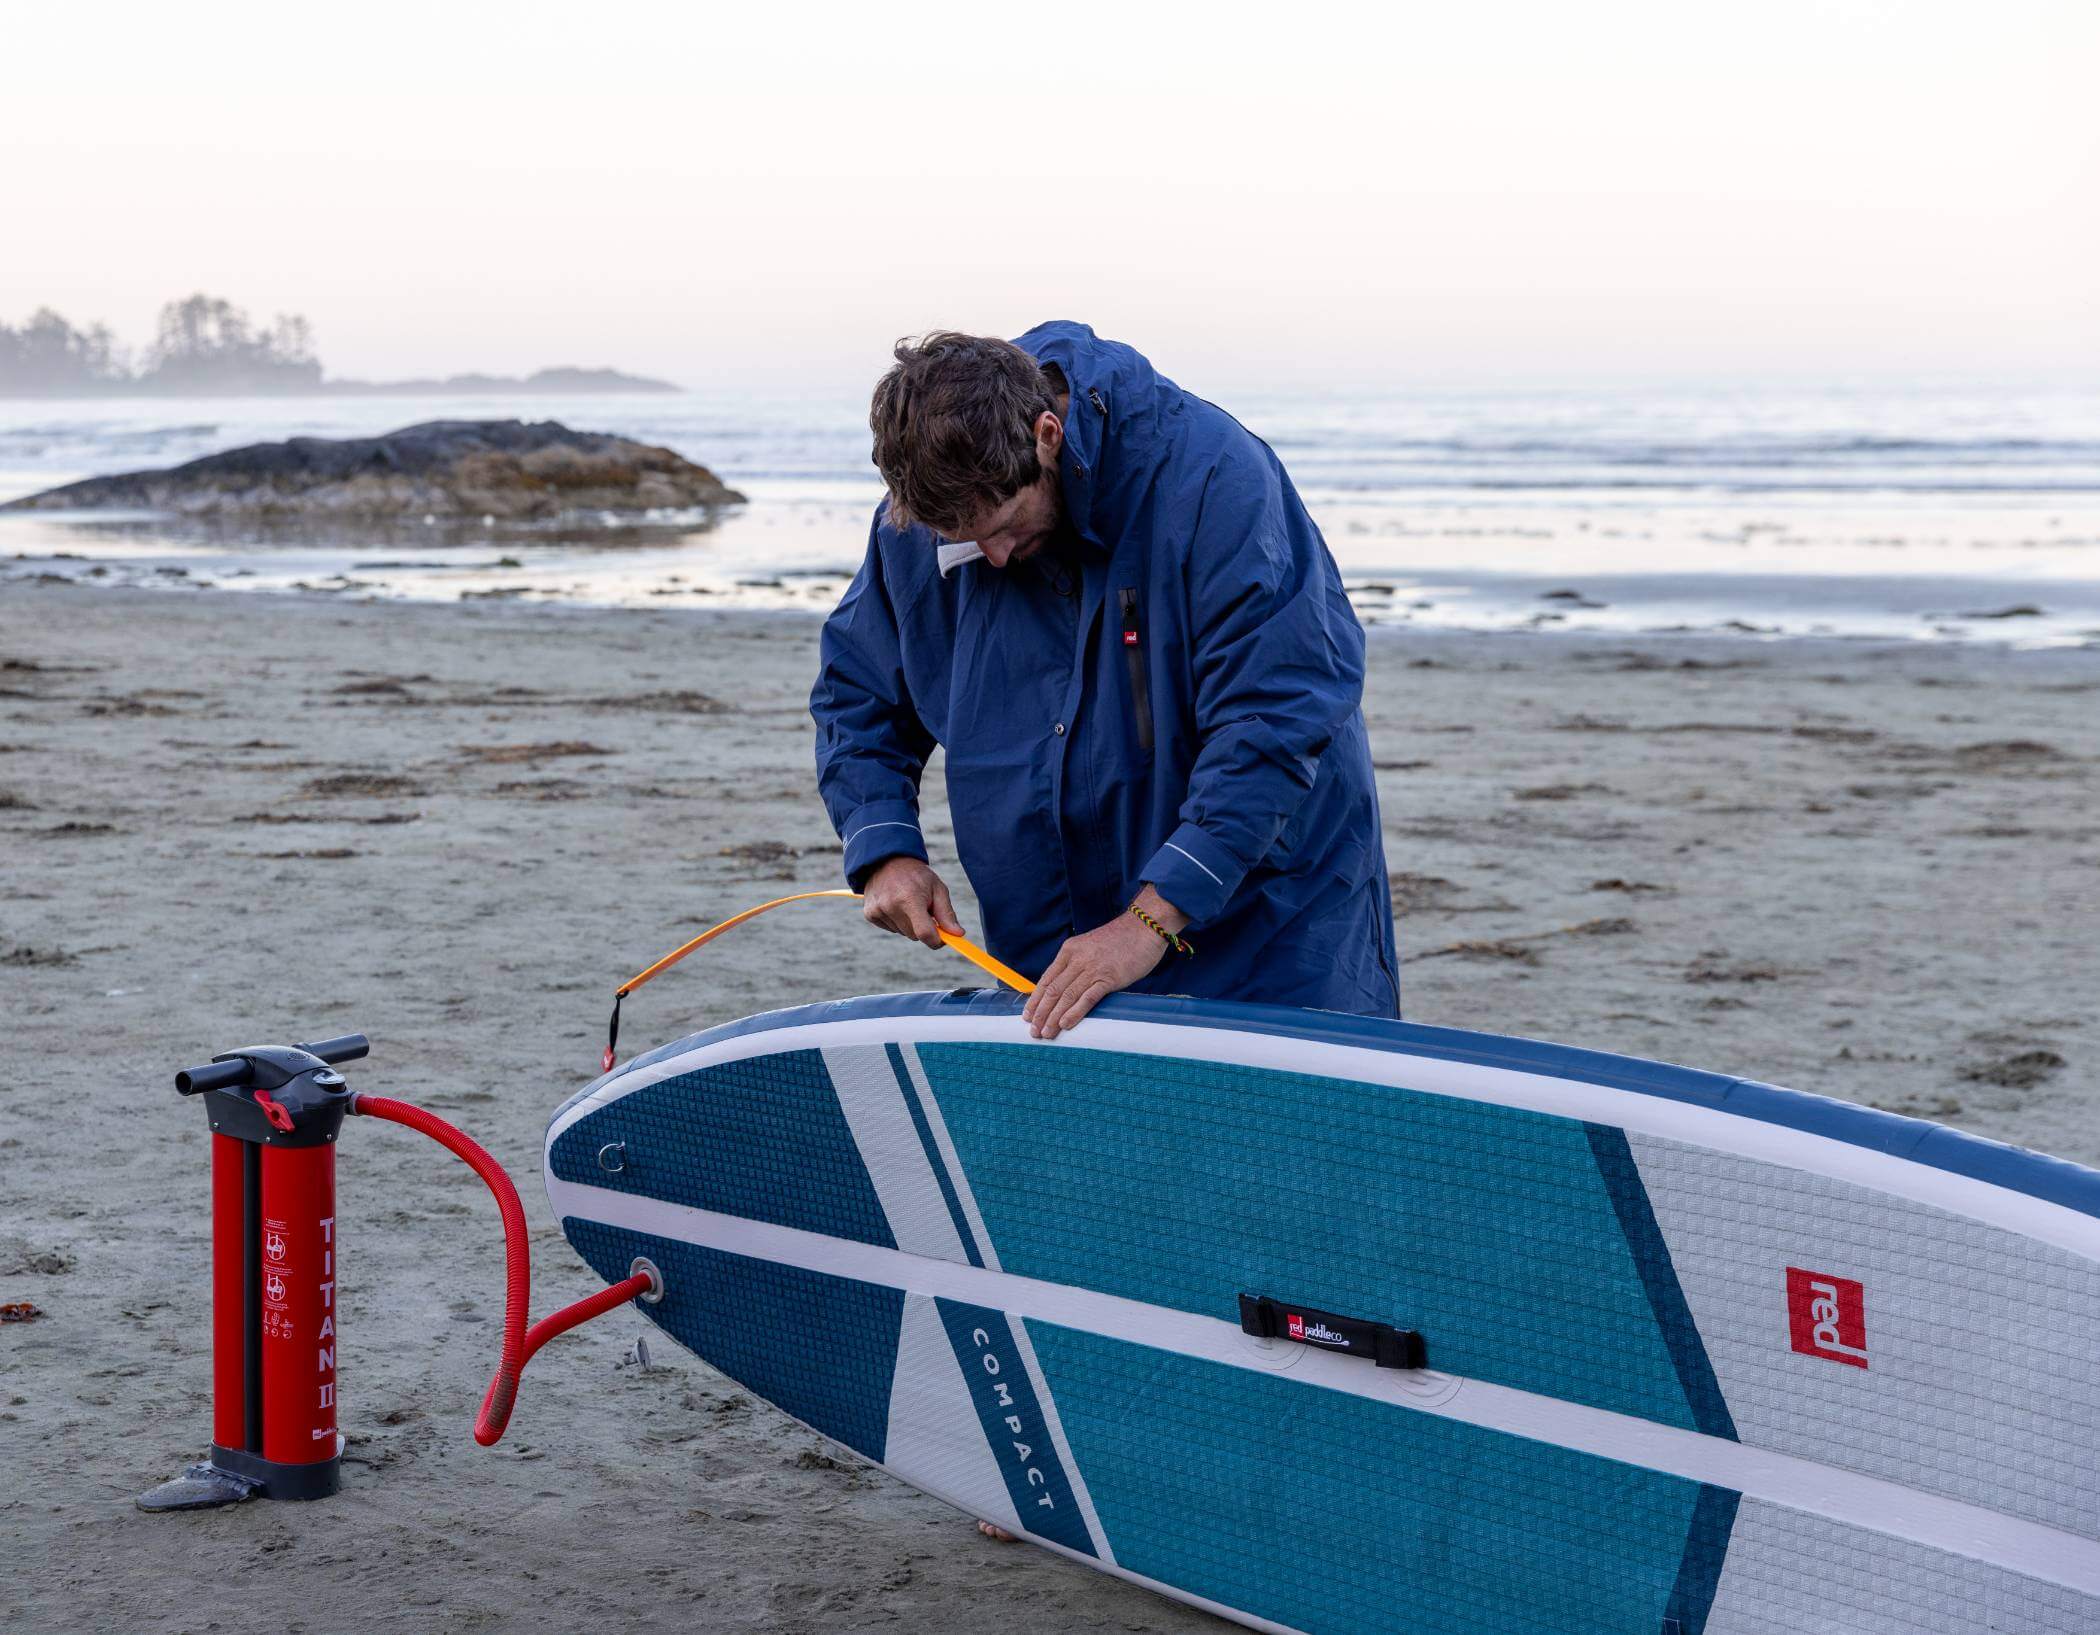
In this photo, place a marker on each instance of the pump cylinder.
(298, 1306)
(232, 1231)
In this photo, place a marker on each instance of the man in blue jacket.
(1103, 598)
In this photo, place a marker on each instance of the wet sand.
(1866, 869)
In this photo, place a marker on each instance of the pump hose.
(519, 1342)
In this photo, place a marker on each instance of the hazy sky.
(1488, 190)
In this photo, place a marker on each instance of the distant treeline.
(204, 345)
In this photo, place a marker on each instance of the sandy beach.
(1868, 869)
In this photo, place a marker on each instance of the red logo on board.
(1827, 1316)
(1297, 1325)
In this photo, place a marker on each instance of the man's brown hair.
(954, 424)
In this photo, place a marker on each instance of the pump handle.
(218, 1076)
(346, 1049)
(240, 1070)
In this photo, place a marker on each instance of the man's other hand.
(905, 896)
(1096, 963)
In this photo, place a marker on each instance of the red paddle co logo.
(1827, 1316)
(1312, 1333)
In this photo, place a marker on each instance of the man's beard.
(1034, 547)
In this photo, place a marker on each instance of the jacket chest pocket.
(1133, 639)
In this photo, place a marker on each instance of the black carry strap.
(1387, 1346)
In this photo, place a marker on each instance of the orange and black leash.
(962, 945)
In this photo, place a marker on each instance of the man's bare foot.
(992, 1530)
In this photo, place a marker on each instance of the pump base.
(230, 1475)
(201, 1487)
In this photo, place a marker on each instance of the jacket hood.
(1115, 393)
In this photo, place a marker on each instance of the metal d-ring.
(645, 1267)
(612, 1157)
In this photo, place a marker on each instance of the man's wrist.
(864, 876)
(1149, 899)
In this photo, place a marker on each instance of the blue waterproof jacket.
(1172, 694)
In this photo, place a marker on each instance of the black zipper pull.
(1129, 600)
(1094, 397)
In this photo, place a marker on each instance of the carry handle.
(1385, 1345)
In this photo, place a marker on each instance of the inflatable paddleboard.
(1327, 1323)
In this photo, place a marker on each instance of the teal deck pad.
(1323, 1510)
(1492, 1230)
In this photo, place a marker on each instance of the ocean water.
(1936, 513)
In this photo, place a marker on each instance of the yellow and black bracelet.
(1178, 944)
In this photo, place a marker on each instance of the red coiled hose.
(519, 1342)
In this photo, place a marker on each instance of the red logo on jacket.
(1827, 1316)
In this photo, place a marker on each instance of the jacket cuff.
(1194, 873)
(880, 830)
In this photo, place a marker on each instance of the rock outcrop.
(512, 470)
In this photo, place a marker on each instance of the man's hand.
(905, 896)
(1096, 963)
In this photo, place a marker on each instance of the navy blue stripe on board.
(819, 1347)
(1699, 1572)
(933, 1153)
(1014, 1424)
(1651, 1256)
